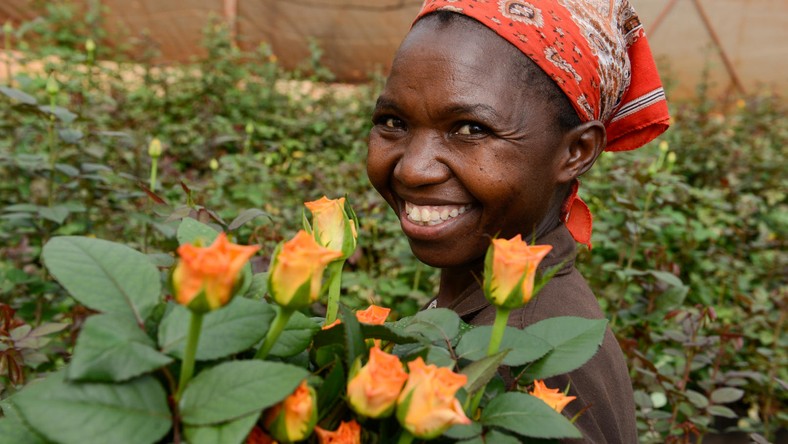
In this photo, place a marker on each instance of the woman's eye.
(390, 122)
(469, 128)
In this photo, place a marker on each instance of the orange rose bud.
(553, 397)
(373, 390)
(294, 418)
(509, 271)
(346, 433)
(205, 277)
(333, 224)
(297, 271)
(373, 315)
(427, 406)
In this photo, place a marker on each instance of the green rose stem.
(154, 151)
(496, 336)
(8, 29)
(334, 287)
(52, 89)
(499, 326)
(405, 438)
(187, 366)
(279, 324)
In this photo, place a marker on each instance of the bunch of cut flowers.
(223, 355)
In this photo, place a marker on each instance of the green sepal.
(349, 241)
(488, 272)
(307, 226)
(200, 304)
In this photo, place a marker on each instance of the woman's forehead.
(466, 65)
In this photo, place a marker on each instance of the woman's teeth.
(433, 214)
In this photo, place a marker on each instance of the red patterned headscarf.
(597, 53)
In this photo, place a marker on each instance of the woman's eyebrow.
(386, 103)
(483, 111)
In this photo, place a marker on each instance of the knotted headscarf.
(597, 53)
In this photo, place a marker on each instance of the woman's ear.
(583, 144)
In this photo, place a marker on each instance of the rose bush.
(254, 364)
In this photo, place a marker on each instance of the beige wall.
(360, 35)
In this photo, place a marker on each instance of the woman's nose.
(422, 162)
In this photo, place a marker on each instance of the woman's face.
(461, 148)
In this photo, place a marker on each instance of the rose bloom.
(373, 391)
(427, 406)
(329, 222)
(373, 315)
(294, 418)
(212, 270)
(513, 261)
(346, 433)
(552, 397)
(297, 271)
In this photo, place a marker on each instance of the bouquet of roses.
(252, 367)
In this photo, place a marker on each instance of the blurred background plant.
(689, 253)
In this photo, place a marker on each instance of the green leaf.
(104, 276)
(295, 337)
(493, 437)
(439, 356)
(61, 113)
(69, 135)
(56, 214)
(527, 415)
(721, 410)
(13, 429)
(332, 389)
(237, 388)
(436, 325)
(190, 231)
(354, 341)
(523, 347)
(697, 399)
(133, 412)
(480, 372)
(28, 208)
(574, 340)
(67, 169)
(246, 216)
(257, 287)
(726, 395)
(224, 433)
(463, 431)
(668, 278)
(19, 96)
(231, 329)
(113, 348)
(15, 432)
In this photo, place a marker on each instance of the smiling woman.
(489, 116)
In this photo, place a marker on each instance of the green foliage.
(689, 261)
(131, 412)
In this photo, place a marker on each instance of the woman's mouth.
(429, 215)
